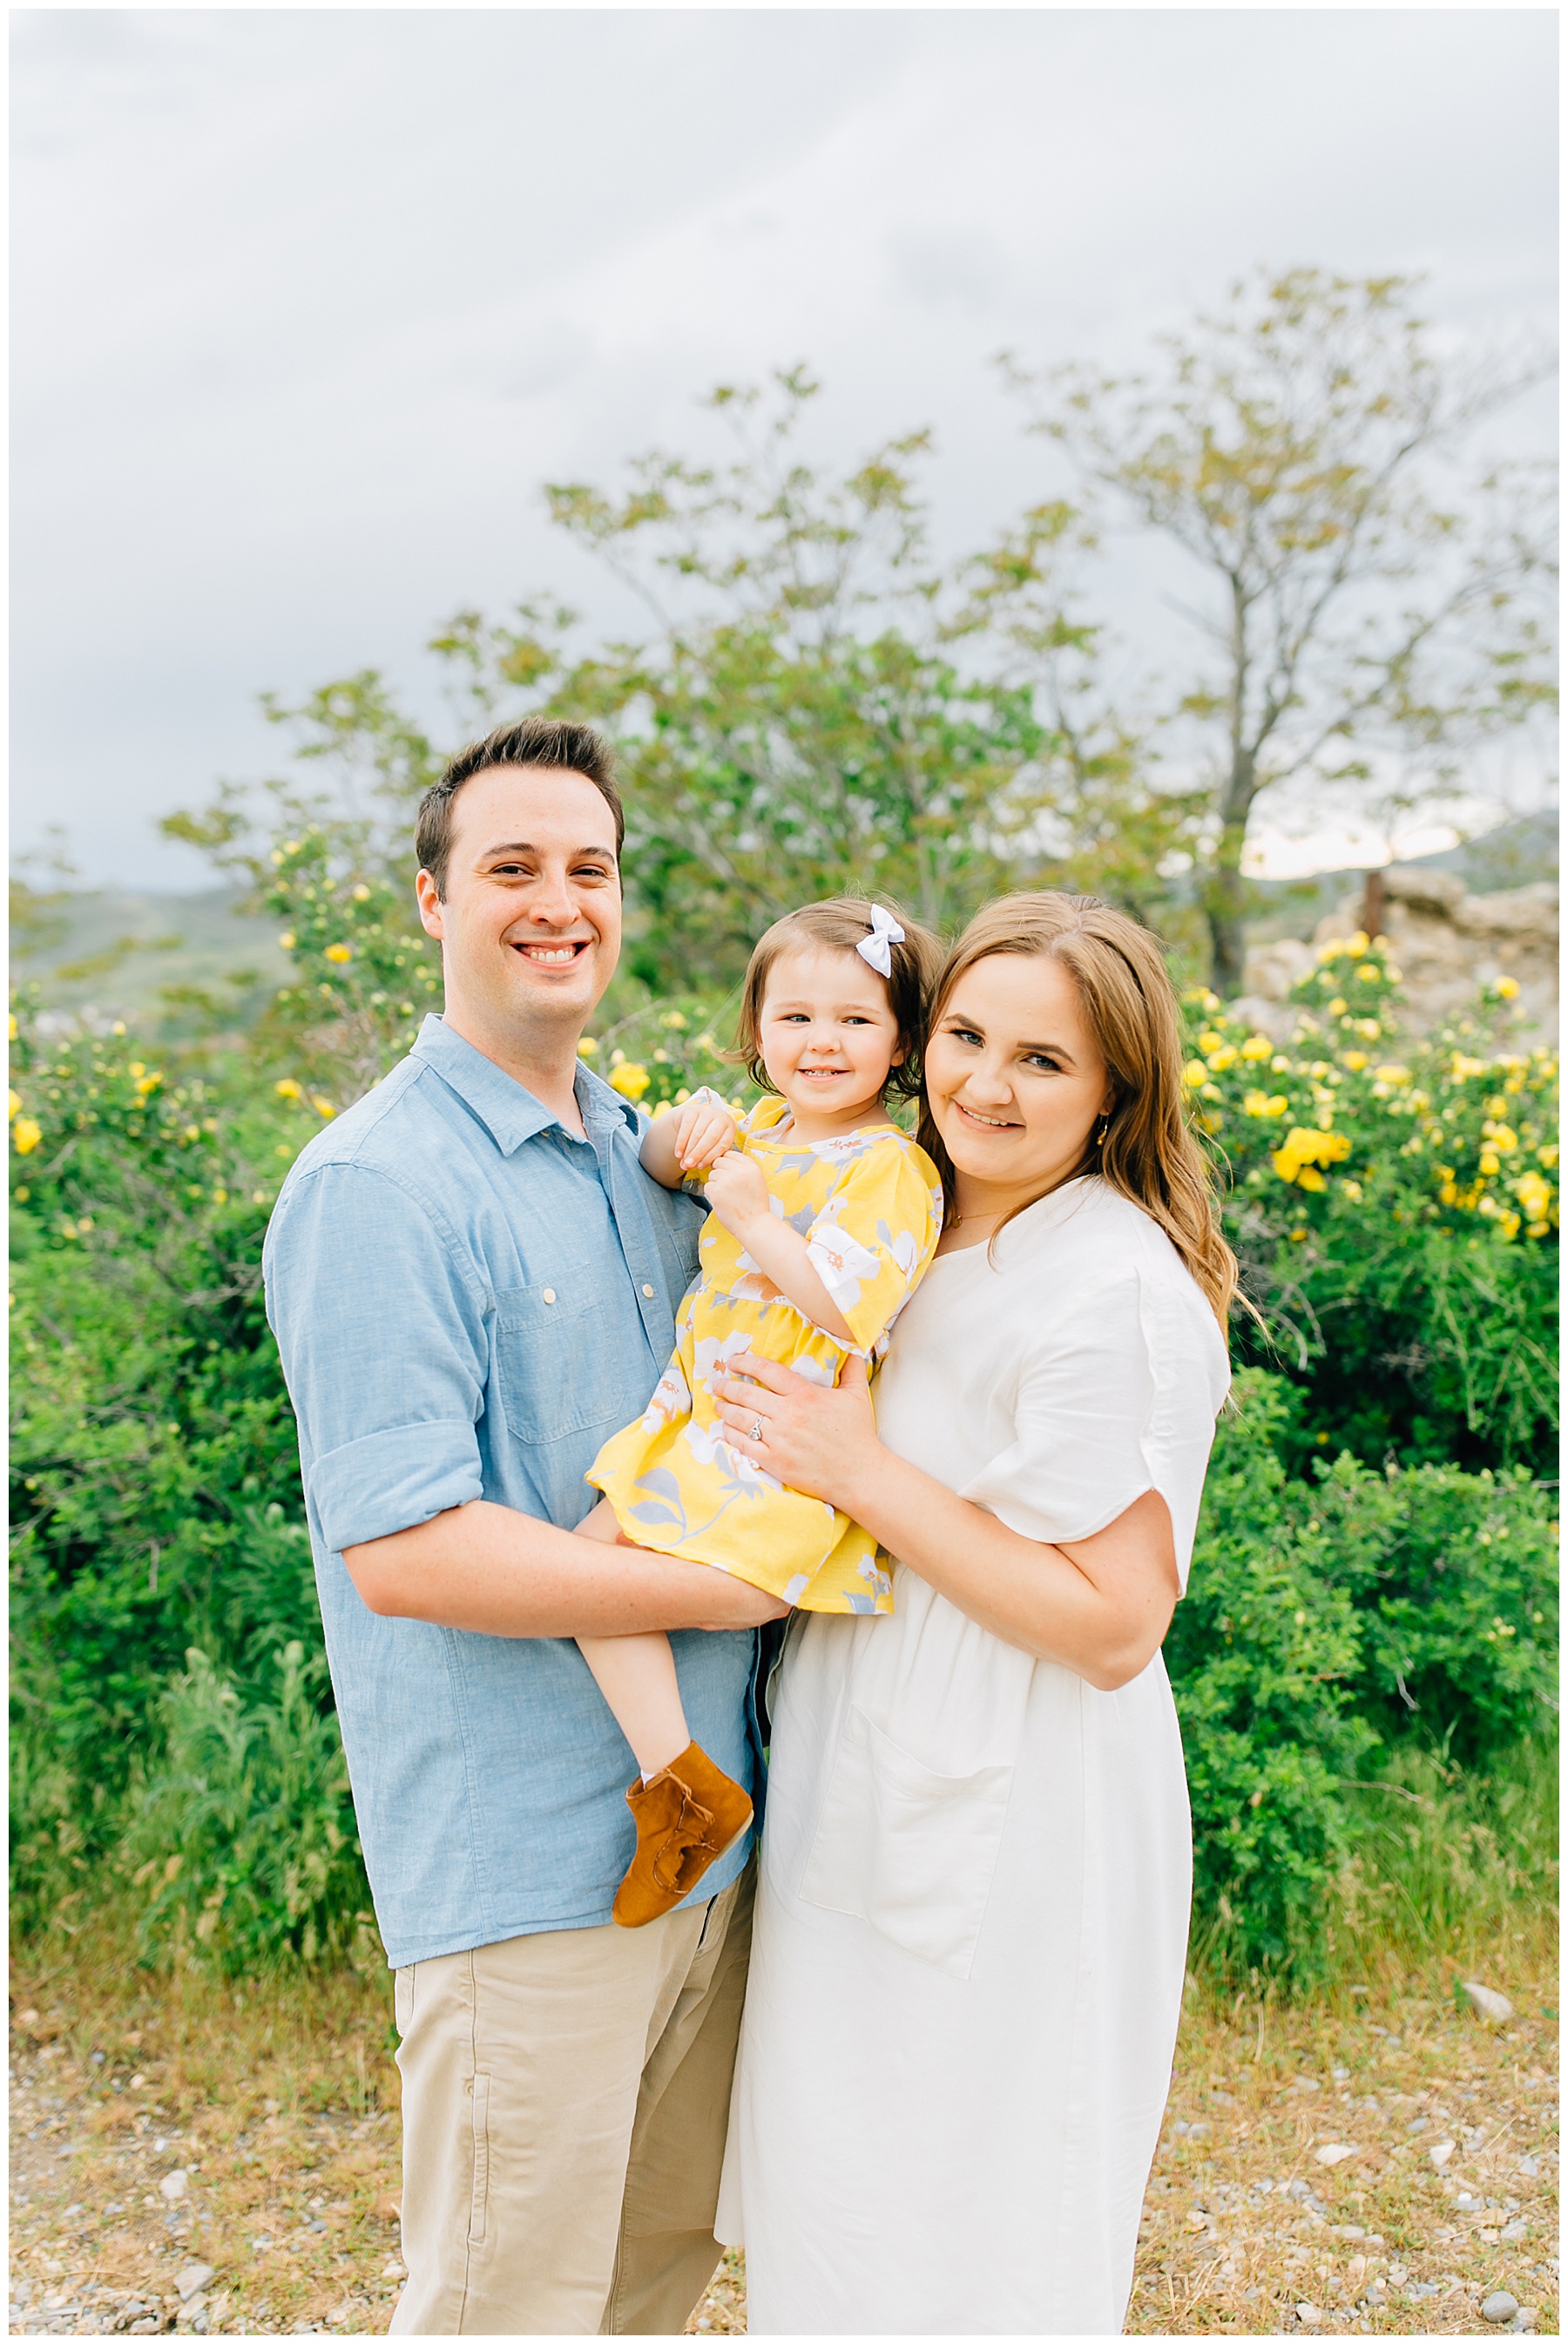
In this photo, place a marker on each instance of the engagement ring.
(756, 1432)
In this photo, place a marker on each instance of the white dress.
(971, 1928)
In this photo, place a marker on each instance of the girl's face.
(1015, 1080)
(828, 1036)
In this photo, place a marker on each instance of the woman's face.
(1015, 1080)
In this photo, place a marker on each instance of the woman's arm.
(1100, 1606)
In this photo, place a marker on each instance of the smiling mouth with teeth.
(552, 955)
(986, 1121)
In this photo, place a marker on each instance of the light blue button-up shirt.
(468, 1300)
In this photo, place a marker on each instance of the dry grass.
(279, 2106)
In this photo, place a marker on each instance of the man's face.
(530, 925)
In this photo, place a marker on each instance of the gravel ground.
(187, 2158)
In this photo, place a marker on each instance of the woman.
(972, 1921)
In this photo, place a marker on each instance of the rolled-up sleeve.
(384, 1351)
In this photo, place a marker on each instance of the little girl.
(824, 1216)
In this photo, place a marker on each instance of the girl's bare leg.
(635, 1674)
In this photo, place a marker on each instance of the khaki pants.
(565, 2101)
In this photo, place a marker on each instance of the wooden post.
(1374, 904)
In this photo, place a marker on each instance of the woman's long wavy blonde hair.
(1148, 1151)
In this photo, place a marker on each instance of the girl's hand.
(814, 1438)
(703, 1132)
(738, 1192)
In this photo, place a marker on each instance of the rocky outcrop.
(1445, 944)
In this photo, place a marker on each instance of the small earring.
(1104, 1127)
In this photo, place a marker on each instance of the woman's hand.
(813, 1438)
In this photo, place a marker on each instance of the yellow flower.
(362, 893)
(1298, 1237)
(1535, 1194)
(1338, 1005)
(1462, 1068)
(663, 1108)
(288, 940)
(1307, 1178)
(1260, 1104)
(673, 1022)
(1507, 988)
(1547, 1155)
(1306, 1149)
(1392, 1073)
(1357, 945)
(1257, 1046)
(324, 1107)
(630, 1080)
(1194, 1072)
(1352, 1189)
(26, 1134)
(288, 1088)
(340, 951)
(588, 1047)
(15, 1029)
(1221, 1058)
(1502, 1135)
(1490, 1163)
(1355, 1060)
(14, 1108)
(1509, 1223)
(148, 1082)
(1369, 974)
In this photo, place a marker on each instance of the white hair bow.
(874, 948)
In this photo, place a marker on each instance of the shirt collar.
(510, 1114)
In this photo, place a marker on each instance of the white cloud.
(308, 303)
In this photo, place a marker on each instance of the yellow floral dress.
(870, 1206)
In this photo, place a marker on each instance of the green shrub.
(1333, 1622)
(242, 1835)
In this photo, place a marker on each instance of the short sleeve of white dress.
(1117, 1395)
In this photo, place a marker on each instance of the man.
(473, 1283)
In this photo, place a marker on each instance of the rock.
(1277, 1019)
(1334, 2152)
(1529, 914)
(173, 2185)
(1272, 969)
(1494, 2008)
(1530, 2167)
(1499, 2309)
(1439, 2152)
(1513, 2231)
(193, 2279)
(1425, 891)
(1309, 2315)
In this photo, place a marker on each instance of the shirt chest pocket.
(546, 1360)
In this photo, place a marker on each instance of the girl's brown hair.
(1146, 1152)
(842, 923)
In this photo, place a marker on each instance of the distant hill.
(1514, 854)
(118, 954)
(135, 955)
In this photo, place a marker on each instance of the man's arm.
(497, 1573)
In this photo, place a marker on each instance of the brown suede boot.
(686, 1818)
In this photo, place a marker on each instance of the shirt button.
(549, 1294)
(648, 1291)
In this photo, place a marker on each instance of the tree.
(1356, 622)
(816, 705)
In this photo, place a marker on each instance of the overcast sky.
(308, 303)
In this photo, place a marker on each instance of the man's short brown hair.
(553, 741)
